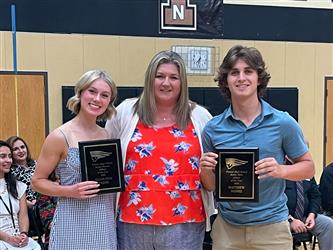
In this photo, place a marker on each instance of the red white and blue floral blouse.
(162, 177)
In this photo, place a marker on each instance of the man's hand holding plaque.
(101, 161)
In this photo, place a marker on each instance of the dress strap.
(64, 137)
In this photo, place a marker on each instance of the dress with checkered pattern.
(85, 224)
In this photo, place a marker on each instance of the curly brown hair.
(253, 58)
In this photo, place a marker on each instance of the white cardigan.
(122, 126)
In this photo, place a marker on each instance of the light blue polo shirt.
(276, 134)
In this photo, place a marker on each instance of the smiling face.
(5, 160)
(96, 98)
(20, 152)
(167, 84)
(242, 81)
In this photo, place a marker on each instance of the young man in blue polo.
(251, 122)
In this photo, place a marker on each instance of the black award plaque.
(101, 161)
(235, 175)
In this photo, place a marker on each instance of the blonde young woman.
(163, 205)
(83, 219)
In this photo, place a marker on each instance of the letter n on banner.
(178, 15)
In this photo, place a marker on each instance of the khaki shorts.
(275, 236)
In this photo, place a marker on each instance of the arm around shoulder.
(201, 113)
(112, 126)
(123, 116)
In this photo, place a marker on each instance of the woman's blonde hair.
(146, 104)
(84, 82)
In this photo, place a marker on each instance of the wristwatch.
(290, 219)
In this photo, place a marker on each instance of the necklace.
(166, 118)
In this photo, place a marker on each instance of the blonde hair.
(84, 82)
(146, 104)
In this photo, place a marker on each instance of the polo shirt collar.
(266, 109)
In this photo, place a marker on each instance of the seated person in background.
(318, 224)
(326, 190)
(23, 165)
(23, 168)
(14, 222)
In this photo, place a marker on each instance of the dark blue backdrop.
(285, 99)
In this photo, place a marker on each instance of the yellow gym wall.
(67, 56)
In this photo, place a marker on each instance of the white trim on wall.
(326, 4)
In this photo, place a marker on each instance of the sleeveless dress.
(82, 224)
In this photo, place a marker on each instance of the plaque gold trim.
(235, 175)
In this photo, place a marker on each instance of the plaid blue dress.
(82, 224)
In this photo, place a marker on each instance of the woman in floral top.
(163, 205)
